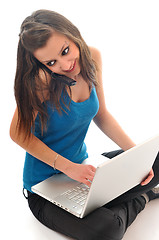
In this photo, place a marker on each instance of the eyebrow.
(58, 53)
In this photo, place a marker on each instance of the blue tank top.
(64, 134)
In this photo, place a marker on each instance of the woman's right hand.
(81, 173)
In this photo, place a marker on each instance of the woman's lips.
(72, 68)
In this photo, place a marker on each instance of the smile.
(72, 68)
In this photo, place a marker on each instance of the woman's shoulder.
(94, 50)
(96, 56)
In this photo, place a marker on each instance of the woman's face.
(60, 55)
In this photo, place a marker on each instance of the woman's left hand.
(148, 178)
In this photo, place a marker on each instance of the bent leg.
(109, 222)
(103, 223)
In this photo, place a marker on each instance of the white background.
(127, 34)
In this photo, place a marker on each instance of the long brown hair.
(35, 32)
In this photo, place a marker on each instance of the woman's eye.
(65, 51)
(51, 63)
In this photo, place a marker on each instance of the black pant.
(109, 222)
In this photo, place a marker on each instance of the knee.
(112, 229)
(108, 227)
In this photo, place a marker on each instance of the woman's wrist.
(62, 164)
(54, 162)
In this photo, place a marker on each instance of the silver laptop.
(113, 177)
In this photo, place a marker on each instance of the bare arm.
(41, 151)
(104, 120)
(108, 125)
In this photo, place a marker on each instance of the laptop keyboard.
(78, 194)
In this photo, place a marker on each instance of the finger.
(147, 180)
(92, 171)
(87, 182)
(90, 178)
(144, 183)
(152, 173)
(92, 168)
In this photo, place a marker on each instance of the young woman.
(58, 90)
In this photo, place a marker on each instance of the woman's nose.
(65, 65)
